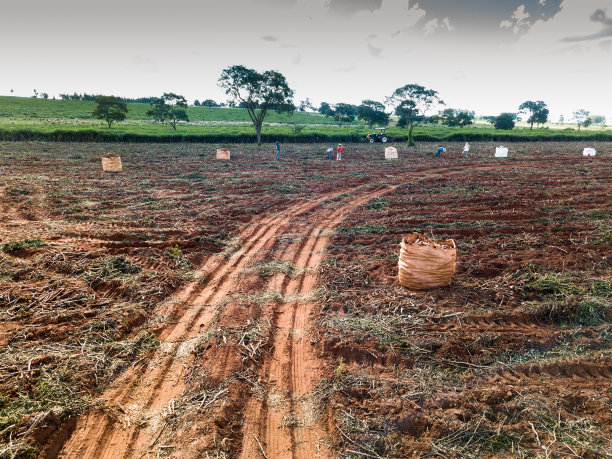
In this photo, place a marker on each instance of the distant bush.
(504, 122)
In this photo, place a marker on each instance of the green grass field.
(66, 120)
(23, 108)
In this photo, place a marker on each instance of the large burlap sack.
(391, 153)
(501, 152)
(426, 263)
(223, 153)
(111, 163)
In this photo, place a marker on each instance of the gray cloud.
(269, 38)
(143, 64)
(374, 51)
(601, 17)
(348, 69)
(350, 7)
(434, 24)
(483, 17)
(281, 3)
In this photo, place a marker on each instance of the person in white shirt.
(466, 149)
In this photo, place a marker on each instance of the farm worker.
(466, 149)
(330, 151)
(340, 151)
(440, 151)
(277, 150)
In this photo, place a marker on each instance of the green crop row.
(272, 135)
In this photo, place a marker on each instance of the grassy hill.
(22, 108)
(68, 120)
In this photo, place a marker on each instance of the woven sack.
(391, 153)
(589, 152)
(111, 163)
(223, 153)
(426, 263)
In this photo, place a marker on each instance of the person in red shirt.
(340, 151)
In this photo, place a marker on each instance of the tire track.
(560, 370)
(286, 421)
(505, 323)
(146, 393)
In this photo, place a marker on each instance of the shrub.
(13, 248)
(117, 267)
(504, 122)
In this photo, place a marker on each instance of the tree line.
(262, 92)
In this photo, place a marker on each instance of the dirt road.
(282, 424)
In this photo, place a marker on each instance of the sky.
(483, 55)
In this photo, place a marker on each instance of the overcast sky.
(484, 55)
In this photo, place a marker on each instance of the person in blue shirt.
(440, 151)
(330, 152)
(277, 150)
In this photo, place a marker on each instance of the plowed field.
(189, 307)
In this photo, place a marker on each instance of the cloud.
(434, 24)
(374, 51)
(600, 16)
(269, 38)
(606, 45)
(297, 60)
(548, 41)
(351, 7)
(519, 22)
(281, 3)
(482, 17)
(143, 64)
(393, 18)
(350, 68)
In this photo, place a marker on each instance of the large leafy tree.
(456, 118)
(505, 121)
(257, 92)
(344, 113)
(581, 116)
(209, 103)
(169, 108)
(326, 109)
(110, 109)
(537, 112)
(373, 112)
(412, 102)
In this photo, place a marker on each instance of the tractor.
(380, 136)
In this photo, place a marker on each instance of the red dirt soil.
(196, 308)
